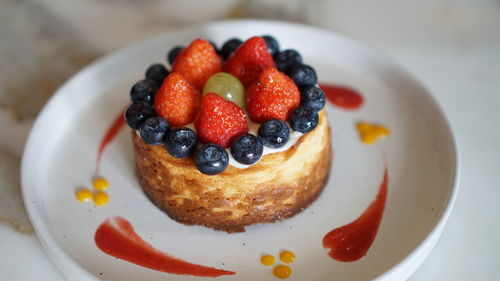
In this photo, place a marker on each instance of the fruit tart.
(230, 137)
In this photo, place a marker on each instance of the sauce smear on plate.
(351, 242)
(116, 237)
(111, 133)
(342, 97)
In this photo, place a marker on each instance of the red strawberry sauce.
(111, 133)
(116, 237)
(342, 97)
(351, 242)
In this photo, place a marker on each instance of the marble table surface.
(452, 47)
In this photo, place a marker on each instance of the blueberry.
(229, 47)
(211, 159)
(143, 90)
(274, 133)
(303, 75)
(247, 149)
(153, 130)
(137, 112)
(286, 59)
(304, 119)
(312, 97)
(272, 44)
(172, 55)
(180, 142)
(157, 72)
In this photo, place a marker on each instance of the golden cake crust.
(279, 186)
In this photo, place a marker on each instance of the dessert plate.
(420, 153)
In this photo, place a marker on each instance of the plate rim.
(404, 267)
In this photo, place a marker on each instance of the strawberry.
(273, 96)
(177, 100)
(198, 62)
(248, 61)
(220, 121)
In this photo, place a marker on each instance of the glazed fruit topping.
(303, 75)
(220, 121)
(273, 96)
(273, 87)
(312, 97)
(229, 47)
(249, 60)
(137, 112)
(226, 86)
(287, 59)
(172, 55)
(211, 159)
(177, 100)
(304, 119)
(181, 142)
(273, 46)
(198, 62)
(153, 130)
(247, 149)
(143, 90)
(274, 133)
(157, 72)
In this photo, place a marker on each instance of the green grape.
(226, 86)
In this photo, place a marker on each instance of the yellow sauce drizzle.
(83, 195)
(369, 133)
(100, 183)
(282, 271)
(287, 256)
(101, 198)
(267, 260)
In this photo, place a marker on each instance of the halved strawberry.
(274, 95)
(198, 62)
(219, 121)
(249, 60)
(177, 100)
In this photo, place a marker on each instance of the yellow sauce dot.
(369, 138)
(83, 195)
(100, 183)
(381, 131)
(369, 133)
(101, 198)
(282, 271)
(267, 260)
(364, 127)
(287, 257)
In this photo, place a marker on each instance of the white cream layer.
(252, 129)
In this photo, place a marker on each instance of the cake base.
(279, 186)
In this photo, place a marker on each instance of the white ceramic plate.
(421, 155)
